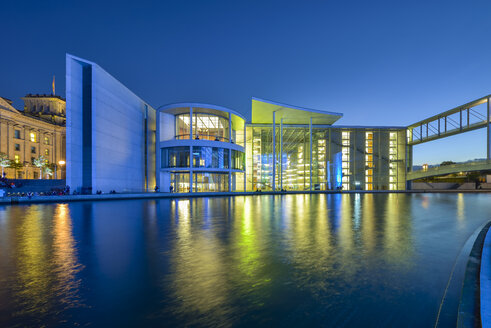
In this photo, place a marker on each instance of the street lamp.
(61, 163)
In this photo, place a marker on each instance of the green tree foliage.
(4, 161)
(40, 163)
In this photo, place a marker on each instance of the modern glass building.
(207, 148)
(201, 148)
(117, 141)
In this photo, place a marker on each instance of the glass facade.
(180, 181)
(183, 126)
(210, 182)
(291, 157)
(175, 157)
(237, 160)
(210, 127)
(324, 158)
(210, 157)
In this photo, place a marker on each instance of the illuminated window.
(16, 158)
(46, 140)
(46, 152)
(32, 137)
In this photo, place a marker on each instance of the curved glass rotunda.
(200, 148)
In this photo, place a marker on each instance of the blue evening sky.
(378, 62)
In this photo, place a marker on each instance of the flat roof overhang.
(262, 112)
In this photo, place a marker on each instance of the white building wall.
(74, 122)
(117, 130)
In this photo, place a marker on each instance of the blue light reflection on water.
(328, 260)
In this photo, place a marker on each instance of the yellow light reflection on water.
(460, 207)
(34, 278)
(397, 232)
(65, 261)
(368, 224)
(198, 270)
(46, 261)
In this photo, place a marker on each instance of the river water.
(338, 260)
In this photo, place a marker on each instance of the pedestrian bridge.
(481, 165)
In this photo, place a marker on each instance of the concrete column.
(488, 132)
(230, 127)
(229, 170)
(190, 168)
(281, 154)
(158, 152)
(230, 152)
(311, 154)
(274, 151)
(245, 154)
(191, 136)
(329, 160)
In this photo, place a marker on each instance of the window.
(210, 157)
(175, 157)
(183, 126)
(16, 158)
(32, 137)
(32, 160)
(237, 160)
(204, 182)
(46, 140)
(33, 150)
(17, 134)
(210, 127)
(17, 147)
(46, 152)
(36, 174)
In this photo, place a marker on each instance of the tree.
(16, 166)
(4, 161)
(40, 162)
(48, 170)
(447, 163)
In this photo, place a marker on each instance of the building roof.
(262, 112)
(6, 104)
(29, 95)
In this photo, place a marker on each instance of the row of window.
(202, 157)
(17, 159)
(33, 149)
(32, 137)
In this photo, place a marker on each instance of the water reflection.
(46, 265)
(316, 242)
(198, 269)
(292, 260)
(65, 260)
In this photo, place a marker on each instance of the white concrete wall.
(118, 133)
(167, 126)
(74, 122)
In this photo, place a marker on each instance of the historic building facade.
(39, 130)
